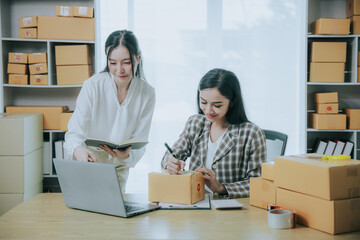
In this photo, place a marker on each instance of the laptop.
(95, 187)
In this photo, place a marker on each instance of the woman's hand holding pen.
(83, 154)
(211, 181)
(116, 153)
(174, 166)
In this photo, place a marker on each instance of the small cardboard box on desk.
(21, 142)
(188, 187)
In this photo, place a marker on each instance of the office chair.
(275, 144)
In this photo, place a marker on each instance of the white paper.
(203, 204)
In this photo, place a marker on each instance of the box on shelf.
(267, 171)
(18, 58)
(327, 108)
(27, 22)
(37, 58)
(72, 55)
(51, 114)
(331, 26)
(327, 72)
(64, 120)
(21, 79)
(334, 217)
(358, 76)
(72, 75)
(318, 178)
(353, 118)
(38, 68)
(28, 33)
(326, 97)
(17, 68)
(20, 133)
(41, 79)
(22, 174)
(64, 11)
(352, 8)
(328, 52)
(86, 12)
(9, 201)
(185, 188)
(66, 28)
(355, 24)
(262, 192)
(329, 121)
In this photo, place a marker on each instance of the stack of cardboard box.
(38, 68)
(28, 27)
(327, 61)
(73, 64)
(21, 142)
(325, 195)
(327, 108)
(353, 118)
(17, 68)
(353, 13)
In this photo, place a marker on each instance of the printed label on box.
(83, 10)
(64, 10)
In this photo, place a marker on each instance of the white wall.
(261, 41)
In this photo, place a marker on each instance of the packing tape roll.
(281, 218)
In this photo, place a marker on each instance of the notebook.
(95, 187)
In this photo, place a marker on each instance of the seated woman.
(220, 142)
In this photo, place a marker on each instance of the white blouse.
(98, 114)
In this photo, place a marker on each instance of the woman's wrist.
(221, 189)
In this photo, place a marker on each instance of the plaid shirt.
(239, 156)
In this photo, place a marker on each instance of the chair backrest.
(275, 144)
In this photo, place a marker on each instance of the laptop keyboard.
(132, 208)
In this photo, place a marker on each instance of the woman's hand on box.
(211, 181)
(174, 166)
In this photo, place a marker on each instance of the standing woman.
(115, 105)
(220, 142)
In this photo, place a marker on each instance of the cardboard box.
(72, 55)
(21, 134)
(185, 188)
(352, 8)
(64, 120)
(267, 171)
(28, 33)
(18, 58)
(262, 192)
(39, 79)
(358, 76)
(333, 217)
(355, 25)
(64, 11)
(326, 97)
(331, 26)
(9, 201)
(37, 58)
(327, 108)
(51, 114)
(38, 68)
(21, 79)
(353, 118)
(66, 28)
(328, 52)
(72, 75)
(312, 176)
(327, 72)
(86, 12)
(22, 174)
(329, 121)
(27, 22)
(17, 68)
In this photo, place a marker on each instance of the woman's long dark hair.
(228, 85)
(127, 39)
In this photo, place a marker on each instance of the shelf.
(46, 40)
(335, 130)
(40, 86)
(331, 36)
(334, 84)
(53, 131)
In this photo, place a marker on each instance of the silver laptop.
(95, 187)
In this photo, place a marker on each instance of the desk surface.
(46, 216)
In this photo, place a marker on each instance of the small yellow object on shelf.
(335, 157)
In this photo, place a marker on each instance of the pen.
(170, 150)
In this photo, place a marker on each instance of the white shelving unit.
(349, 91)
(51, 94)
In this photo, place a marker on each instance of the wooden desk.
(46, 216)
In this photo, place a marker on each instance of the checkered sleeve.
(182, 147)
(252, 164)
